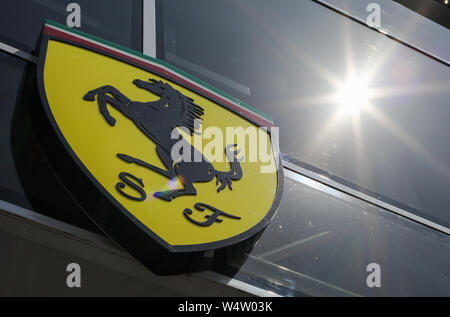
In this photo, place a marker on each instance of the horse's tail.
(235, 172)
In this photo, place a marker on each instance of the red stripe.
(57, 33)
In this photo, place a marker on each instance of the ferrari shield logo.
(168, 166)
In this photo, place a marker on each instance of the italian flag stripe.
(57, 30)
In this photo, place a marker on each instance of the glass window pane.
(420, 31)
(118, 21)
(350, 102)
(321, 242)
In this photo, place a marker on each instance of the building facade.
(360, 94)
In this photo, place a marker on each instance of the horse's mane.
(191, 114)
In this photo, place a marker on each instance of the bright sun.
(353, 96)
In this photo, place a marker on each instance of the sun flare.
(353, 96)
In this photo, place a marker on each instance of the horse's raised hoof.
(111, 121)
(90, 96)
(166, 195)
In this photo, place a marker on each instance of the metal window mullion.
(16, 52)
(149, 27)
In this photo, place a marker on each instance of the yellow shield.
(118, 114)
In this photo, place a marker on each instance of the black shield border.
(117, 222)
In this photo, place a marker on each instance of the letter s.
(125, 177)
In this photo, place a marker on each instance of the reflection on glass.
(351, 103)
(353, 96)
(114, 20)
(322, 240)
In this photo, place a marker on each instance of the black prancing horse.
(157, 119)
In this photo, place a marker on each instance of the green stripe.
(163, 63)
